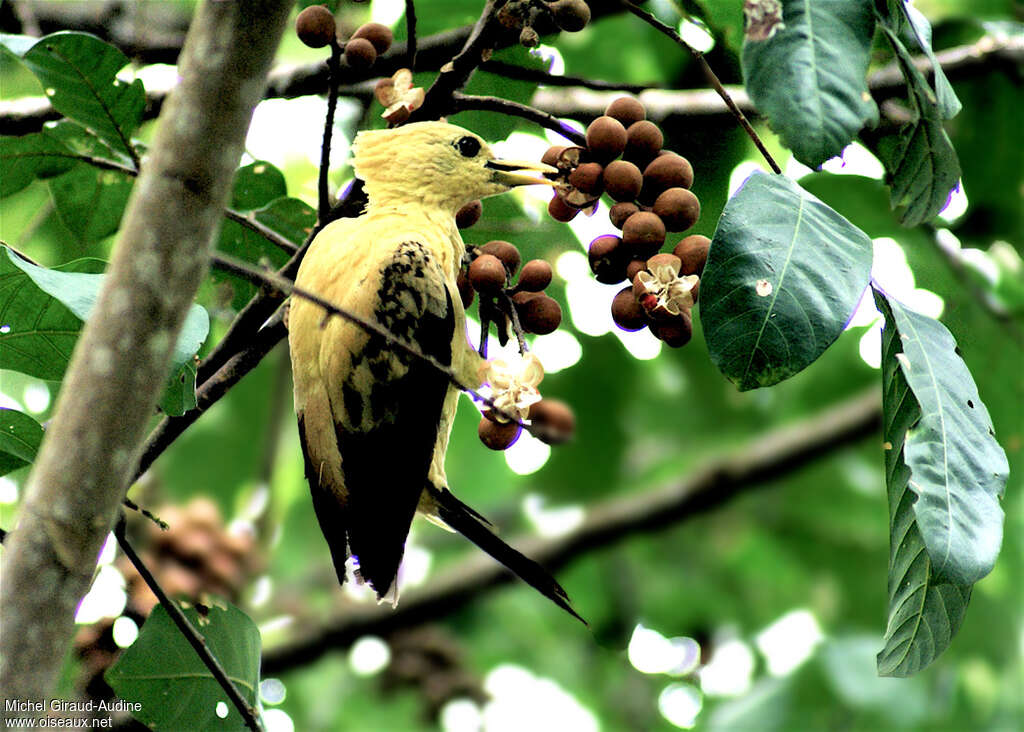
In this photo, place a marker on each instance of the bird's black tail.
(474, 527)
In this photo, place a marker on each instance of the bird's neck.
(433, 226)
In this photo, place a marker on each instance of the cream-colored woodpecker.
(374, 420)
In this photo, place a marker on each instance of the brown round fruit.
(620, 212)
(676, 332)
(469, 214)
(623, 180)
(536, 275)
(555, 418)
(627, 313)
(606, 138)
(678, 208)
(487, 274)
(559, 210)
(466, 291)
(587, 178)
(360, 53)
(498, 435)
(315, 26)
(643, 142)
(376, 33)
(570, 15)
(626, 110)
(540, 315)
(643, 234)
(633, 267)
(505, 251)
(608, 259)
(693, 252)
(664, 172)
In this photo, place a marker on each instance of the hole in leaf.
(970, 404)
(221, 710)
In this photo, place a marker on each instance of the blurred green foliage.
(815, 539)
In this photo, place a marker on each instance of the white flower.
(399, 97)
(513, 384)
(674, 293)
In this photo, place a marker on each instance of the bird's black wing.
(393, 402)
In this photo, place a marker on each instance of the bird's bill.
(520, 172)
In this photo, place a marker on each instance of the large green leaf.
(958, 470)
(911, 23)
(162, 672)
(808, 75)
(42, 311)
(783, 276)
(79, 74)
(925, 612)
(922, 164)
(20, 437)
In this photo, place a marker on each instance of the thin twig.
(333, 77)
(186, 628)
(249, 221)
(238, 217)
(711, 77)
(410, 32)
(463, 102)
(521, 73)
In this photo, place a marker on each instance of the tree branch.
(89, 452)
(772, 456)
(462, 102)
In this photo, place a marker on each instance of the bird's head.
(436, 163)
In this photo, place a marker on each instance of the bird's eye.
(468, 146)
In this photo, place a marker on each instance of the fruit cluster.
(316, 28)
(567, 15)
(489, 271)
(624, 159)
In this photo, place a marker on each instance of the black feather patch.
(386, 464)
(474, 527)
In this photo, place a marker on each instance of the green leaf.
(958, 470)
(949, 105)
(925, 612)
(290, 217)
(922, 164)
(162, 672)
(808, 76)
(256, 185)
(20, 437)
(79, 73)
(180, 391)
(44, 310)
(907, 20)
(38, 155)
(783, 276)
(37, 332)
